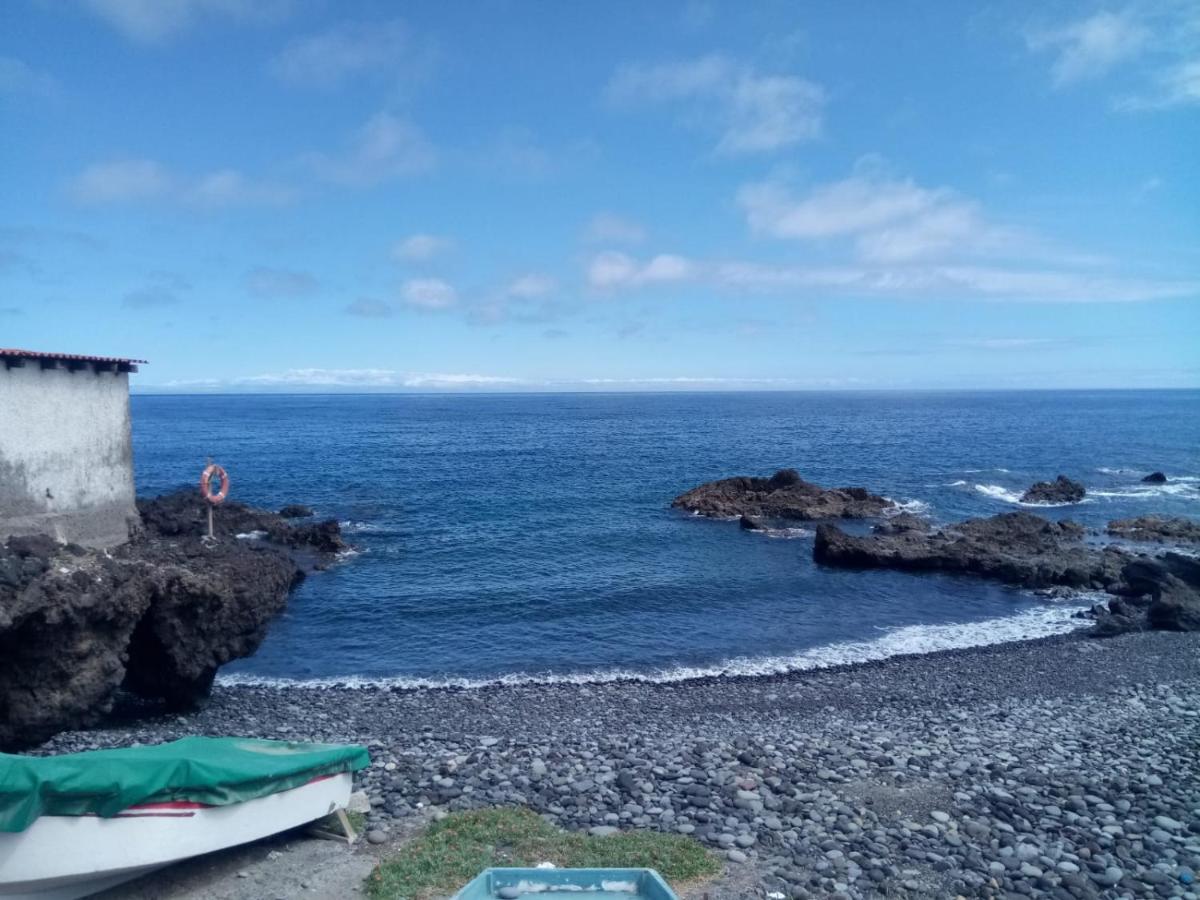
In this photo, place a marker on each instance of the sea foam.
(1040, 621)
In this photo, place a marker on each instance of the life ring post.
(213, 497)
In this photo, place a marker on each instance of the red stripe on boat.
(191, 804)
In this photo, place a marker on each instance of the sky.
(493, 195)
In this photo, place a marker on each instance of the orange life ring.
(206, 483)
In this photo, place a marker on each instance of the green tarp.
(213, 771)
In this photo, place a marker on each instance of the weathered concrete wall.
(66, 459)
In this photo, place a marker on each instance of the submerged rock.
(752, 523)
(785, 495)
(157, 616)
(1156, 528)
(1155, 478)
(1017, 548)
(296, 511)
(1061, 490)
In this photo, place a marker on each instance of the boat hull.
(67, 857)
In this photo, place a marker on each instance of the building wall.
(66, 459)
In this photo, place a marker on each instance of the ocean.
(528, 537)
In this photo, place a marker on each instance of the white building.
(66, 458)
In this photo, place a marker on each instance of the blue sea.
(529, 537)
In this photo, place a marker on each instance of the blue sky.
(278, 194)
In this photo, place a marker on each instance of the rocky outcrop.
(902, 523)
(157, 616)
(1155, 593)
(296, 511)
(1016, 548)
(1161, 529)
(785, 495)
(1155, 478)
(752, 523)
(1061, 490)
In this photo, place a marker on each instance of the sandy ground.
(295, 865)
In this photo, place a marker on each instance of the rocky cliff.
(157, 617)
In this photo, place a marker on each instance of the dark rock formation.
(296, 511)
(752, 523)
(1061, 490)
(1156, 528)
(184, 514)
(65, 623)
(785, 495)
(1017, 548)
(157, 616)
(1155, 593)
(899, 524)
(1155, 478)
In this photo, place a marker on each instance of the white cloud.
(372, 378)
(1177, 85)
(428, 294)
(269, 283)
(420, 247)
(18, 77)
(367, 308)
(386, 147)
(351, 49)
(618, 272)
(1162, 38)
(145, 181)
(607, 228)
(751, 112)
(1091, 47)
(154, 21)
(531, 286)
(891, 219)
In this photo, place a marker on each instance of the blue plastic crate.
(568, 884)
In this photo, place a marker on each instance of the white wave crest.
(787, 534)
(999, 492)
(959, 483)
(1041, 621)
(1144, 491)
(916, 507)
(352, 527)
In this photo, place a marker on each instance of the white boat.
(63, 857)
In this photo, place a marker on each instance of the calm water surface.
(531, 535)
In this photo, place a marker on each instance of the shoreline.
(1061, 766)
(777, 666)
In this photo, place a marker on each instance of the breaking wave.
(999, 492)
(1041, 621)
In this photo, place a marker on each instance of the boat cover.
(212, 771)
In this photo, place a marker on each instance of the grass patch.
(453, 851)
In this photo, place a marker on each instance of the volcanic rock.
(1157, 593)
(1061, 490)
(1017, 548)
(1156, 528)
(752, 523)
(157, 616)
(296, 511)
(785, 495)
(901, 523)
(1155, 478)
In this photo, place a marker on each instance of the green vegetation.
(453, 851)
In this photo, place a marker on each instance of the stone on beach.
(1062, 767)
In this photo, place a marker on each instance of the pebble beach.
(1063, 767)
